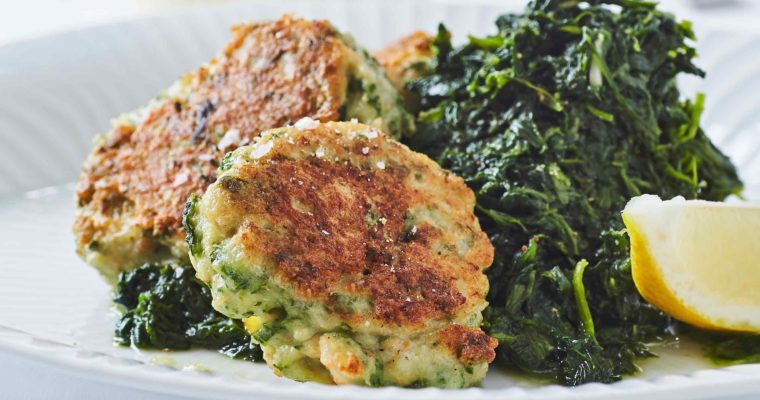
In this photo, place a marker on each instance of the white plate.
(57, 92)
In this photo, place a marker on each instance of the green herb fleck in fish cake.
(357, 260)
(136, 180)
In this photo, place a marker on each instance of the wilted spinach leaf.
(165, 307)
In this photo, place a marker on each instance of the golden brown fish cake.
(139, 175)
(326, 229)
(407, 59)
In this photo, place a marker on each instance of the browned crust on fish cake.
(406, 59)
(324, 248)
(469, 345)
(269, 75)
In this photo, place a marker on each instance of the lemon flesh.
(696, 260)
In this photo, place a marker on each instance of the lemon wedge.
(698, 261)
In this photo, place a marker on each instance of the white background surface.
(23, 20)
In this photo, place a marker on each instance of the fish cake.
(137, 178)
(405, 60)
(351, 258)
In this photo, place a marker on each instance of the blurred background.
(31, 18)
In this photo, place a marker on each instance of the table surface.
(24, 379)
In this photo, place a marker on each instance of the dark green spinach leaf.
(166, 307)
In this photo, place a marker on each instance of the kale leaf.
(555, 122)
(166, 307)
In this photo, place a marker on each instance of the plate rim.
(725, 381)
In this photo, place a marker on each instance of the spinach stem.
(580, 299)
